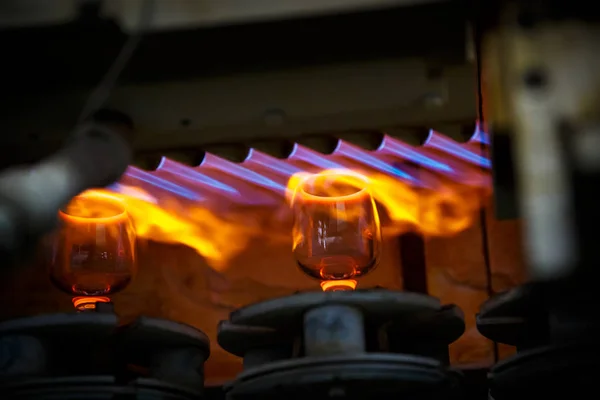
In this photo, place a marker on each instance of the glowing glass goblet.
(336, 233)
(93, 251)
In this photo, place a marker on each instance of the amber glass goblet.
(336, 233)
(93, 250)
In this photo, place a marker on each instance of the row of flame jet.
(261, 179)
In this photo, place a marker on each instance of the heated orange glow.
(331, 186)
(88, 302)
(217, 238)
(334, 286)
(96, 207)
(443, 211)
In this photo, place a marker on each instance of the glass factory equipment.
(341, 342)
(540, 85)
(316, 125)
(89, 353)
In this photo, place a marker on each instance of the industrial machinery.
(89, 354)
(217, 91)
(539, 69)
(93, 355)
(344, 344)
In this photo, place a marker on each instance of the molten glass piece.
(93, 253)
(338, 286)
(336, 234)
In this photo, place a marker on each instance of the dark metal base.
(96, 388)
(557, 345)
(91, 356)
(381, 376)
(543, 372)
(353, 345)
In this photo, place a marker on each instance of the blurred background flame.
(220, 233)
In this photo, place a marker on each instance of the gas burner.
(89, 355)
(351, 344)
(555, 336)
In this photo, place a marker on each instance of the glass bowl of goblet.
(93, 251)
(336, 233)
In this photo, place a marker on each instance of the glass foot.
(88, 303)
(338, 286)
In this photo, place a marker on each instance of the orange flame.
(220, 236)
(444, 211)
(214, 237)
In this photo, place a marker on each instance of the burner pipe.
(271, 174)
(408, 153)
(479, 137)
(152, 183)
(189, 176)
(279, 169)
(443, 144)
(241, 172)
(354, 153)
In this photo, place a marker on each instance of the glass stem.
(338, 286)
(88, 303)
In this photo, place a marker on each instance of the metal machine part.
(541, 101)
(178, 14)
(327, 76)
(30, 196)
(556, 346)
(540, 63)
(89, 355)
(352, 345)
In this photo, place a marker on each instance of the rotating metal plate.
(349, 377)
(407, 316)
(543, 372)
(375, 304)
(82, 353)
(93, 387)
(514, 317)
(152, 333)
(62, 325)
